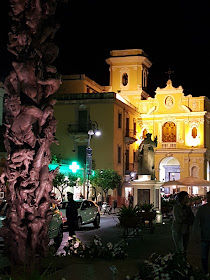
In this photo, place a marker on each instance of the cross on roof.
(169, 72)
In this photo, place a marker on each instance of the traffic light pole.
(88, 162)
(91, 132)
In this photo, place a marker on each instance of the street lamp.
(92, 131)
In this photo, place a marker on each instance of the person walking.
(202, 230)
(71, 214)
(183, 219)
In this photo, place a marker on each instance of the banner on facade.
(89, 160)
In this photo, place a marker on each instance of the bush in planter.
(147, 211)
(128, 216)
(147, 207)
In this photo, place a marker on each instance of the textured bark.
(29, 128)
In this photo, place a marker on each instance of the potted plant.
(128, 216)
(147, 207)
(147, 213)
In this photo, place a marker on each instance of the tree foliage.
(62, 181)
(106, 179)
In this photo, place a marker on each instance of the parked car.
(55, 230)
(88, 212)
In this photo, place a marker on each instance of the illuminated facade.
(125, 113)
(129, 74)
(181, 124)
(116, 148)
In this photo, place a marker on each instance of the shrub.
(75, 247)
(172, 266)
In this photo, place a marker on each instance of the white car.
(88, 212)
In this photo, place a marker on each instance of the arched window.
(194, 132)
(169, 132)
(125, 79)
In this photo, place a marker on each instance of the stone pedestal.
(146, 190)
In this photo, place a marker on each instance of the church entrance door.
(169, 169)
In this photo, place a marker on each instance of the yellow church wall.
(161, 100)
(134, 78)
(135, 64)
(115, 80)
(183, 130)
(187, 160)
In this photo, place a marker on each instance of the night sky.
(174, 34)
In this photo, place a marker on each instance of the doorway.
(143, 196)
(169, 169)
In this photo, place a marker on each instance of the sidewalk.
(138, 250)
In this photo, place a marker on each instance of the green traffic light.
(74, 167)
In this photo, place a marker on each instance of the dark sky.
(174, 34)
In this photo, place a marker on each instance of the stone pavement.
(138, 250)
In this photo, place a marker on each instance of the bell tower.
(129, 74)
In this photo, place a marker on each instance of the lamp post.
(92, 131)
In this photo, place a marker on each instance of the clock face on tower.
(125, 79)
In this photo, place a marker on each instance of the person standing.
(93, 197)
(183, 219)
(71, 214)
(99, 200)
(130, 200)
(202, 228)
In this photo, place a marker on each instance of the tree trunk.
(29, 128)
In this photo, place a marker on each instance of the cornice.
(191, 114)
(181, 151)
(129, 59)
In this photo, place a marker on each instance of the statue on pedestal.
(146, 156)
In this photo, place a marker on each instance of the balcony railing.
(169, 145)
(78, 128)
(130, 136)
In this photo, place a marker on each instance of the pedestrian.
(93, 197)
(202, 230)
(114, 205)
(99, 200)
(183, 219)
(71, 214)
(81, 196)
(130, 199)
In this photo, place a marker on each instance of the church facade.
(181, 124)
(125, 114)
